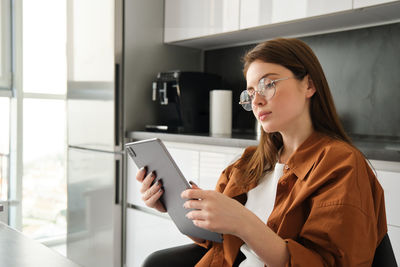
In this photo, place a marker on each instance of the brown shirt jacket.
(329, 207)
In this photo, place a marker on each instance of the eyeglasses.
(266, 88)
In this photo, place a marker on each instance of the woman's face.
(289, 107)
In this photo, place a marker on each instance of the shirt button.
(286, 167)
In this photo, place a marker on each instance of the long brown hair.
(298, 57)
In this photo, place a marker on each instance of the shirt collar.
(306, 155)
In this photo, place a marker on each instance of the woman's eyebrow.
(268, 74)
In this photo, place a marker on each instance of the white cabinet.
(187, 22)
(146, 233)
(204, 162)
(388, 174)
(255, 13)
(394, 235)
(186, 19)
(187, 160)
(212, 164)
(367, 3)
(390, 182)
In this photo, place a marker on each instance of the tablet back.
(153, 154)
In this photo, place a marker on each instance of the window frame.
(6, 44)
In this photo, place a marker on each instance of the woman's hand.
(215, 211)
(151, 193)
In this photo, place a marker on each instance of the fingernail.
(192, 183)
(153, 174)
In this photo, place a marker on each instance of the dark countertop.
(18, 250)
(373, 148)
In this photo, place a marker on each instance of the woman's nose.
(259, 100)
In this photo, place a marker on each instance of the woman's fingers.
(151, 191)
(154, 198)
(196, 215)
(196, 193)
(193, 204)
(194, 185)
(147, 182)
(141, 174)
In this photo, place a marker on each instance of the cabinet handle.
(117, 181)
(117, 107)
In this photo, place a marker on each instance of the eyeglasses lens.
(267, 88)
(245, 100)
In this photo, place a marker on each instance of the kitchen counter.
(372, 148)
(202, 139)
(18, 250)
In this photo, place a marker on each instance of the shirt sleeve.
(345, 237)
(342, 227)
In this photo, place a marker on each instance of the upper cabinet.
(186, 19)
(210, 24)
(255, 13)
(366, 3)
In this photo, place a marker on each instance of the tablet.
(153, 154)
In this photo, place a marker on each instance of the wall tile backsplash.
(363, 70)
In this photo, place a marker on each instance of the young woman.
(312, 199)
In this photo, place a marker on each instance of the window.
(44, 47)
(5, 94)
(4, 146)
(44, 197)
(44, 185)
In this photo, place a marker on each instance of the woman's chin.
(268, 128)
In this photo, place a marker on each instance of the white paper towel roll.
(220, 112)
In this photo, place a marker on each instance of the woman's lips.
(263, 115)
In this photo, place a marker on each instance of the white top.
(261, 200)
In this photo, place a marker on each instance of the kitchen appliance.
(183, 101)
(95, 163)
(109, 71)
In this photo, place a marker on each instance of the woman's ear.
(310, 91)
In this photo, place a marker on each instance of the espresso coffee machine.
(183, 101)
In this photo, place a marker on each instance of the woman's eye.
(269, 85)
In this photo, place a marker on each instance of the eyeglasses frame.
(261, 91)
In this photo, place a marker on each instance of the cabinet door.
(146, 233)
(255, 13)
(93, 218)
(390, 182)
(186, 19)
(394, 235)
(187, 161)
(366, 3)
(213, 163)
